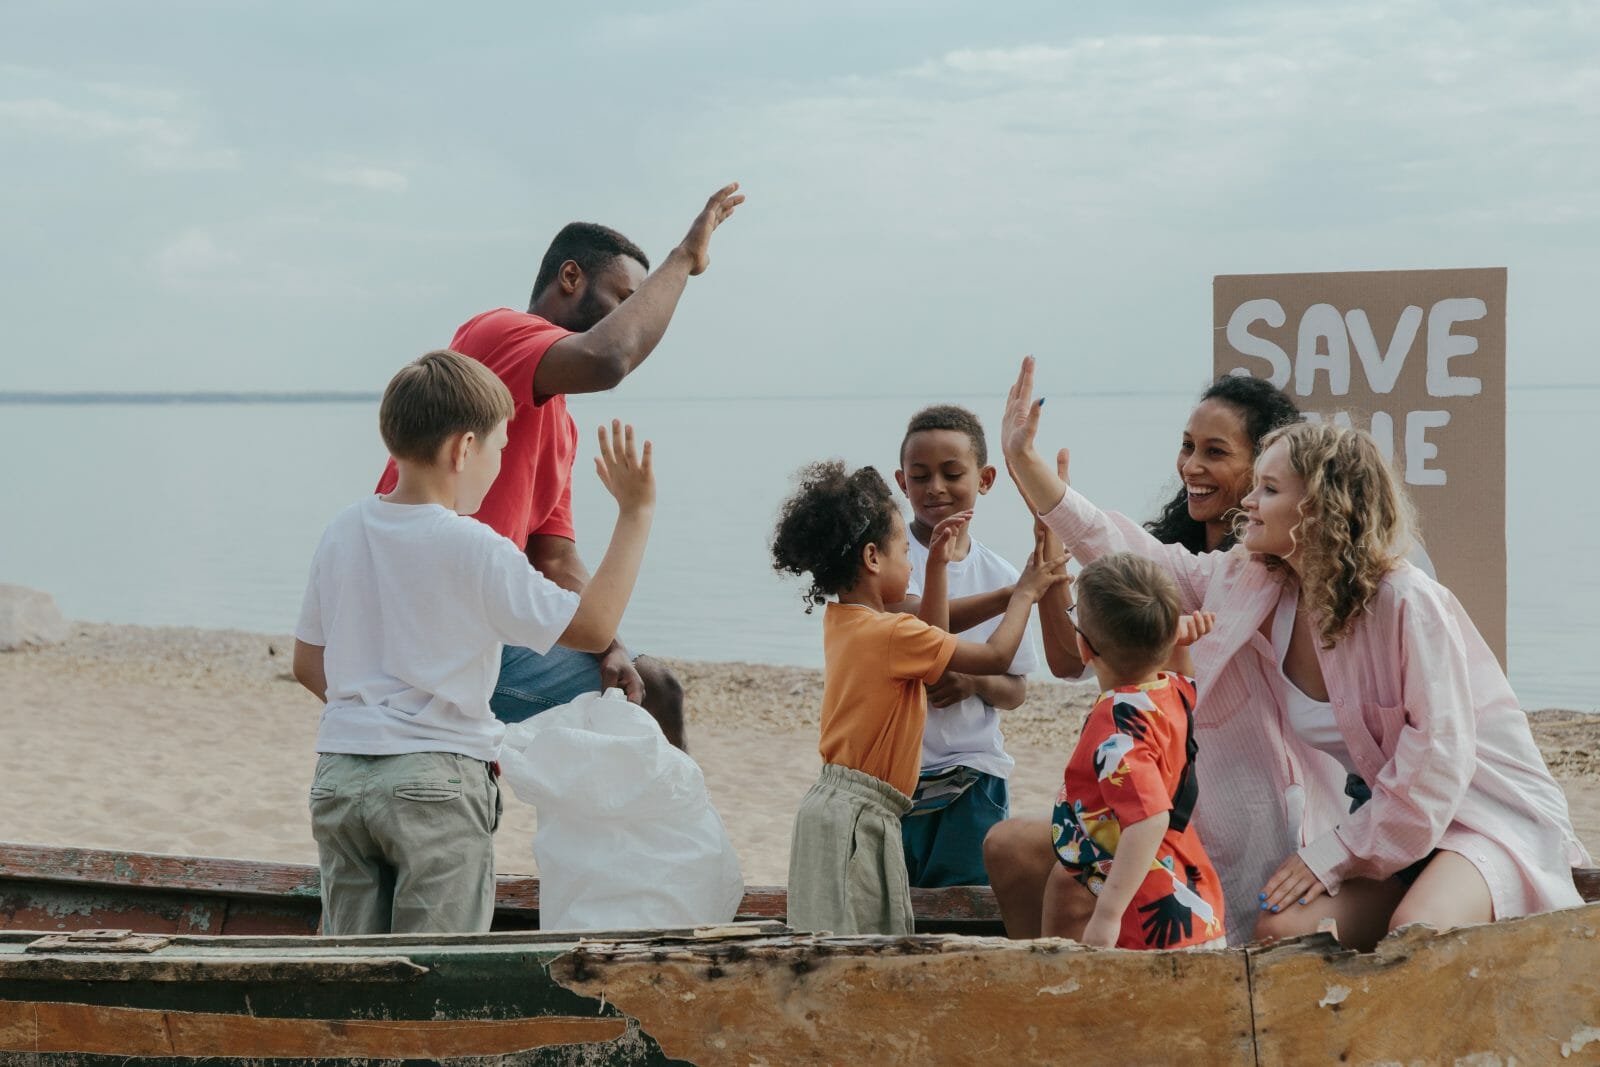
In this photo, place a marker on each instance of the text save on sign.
(1418, 359)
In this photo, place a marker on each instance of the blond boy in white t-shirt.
(400, 632)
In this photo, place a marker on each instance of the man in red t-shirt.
(594, 316)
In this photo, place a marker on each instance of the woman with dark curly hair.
(1362, 758)
(1215, 461)
(847, 868)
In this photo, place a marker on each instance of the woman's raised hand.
(1041, 487)
(1021, 423)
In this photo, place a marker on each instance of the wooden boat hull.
(223, 970)
(44, 887)
(1521, 991)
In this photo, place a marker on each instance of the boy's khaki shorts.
(405, 843)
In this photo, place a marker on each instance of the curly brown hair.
(832, 515)
(1355, 524)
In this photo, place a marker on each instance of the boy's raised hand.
(1046, 545)
(944, 535)
(1195, 625)
(626, 473)
(1042, 573)
(696, 243)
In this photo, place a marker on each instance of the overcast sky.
(285, 196)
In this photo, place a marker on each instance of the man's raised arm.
(600, 357)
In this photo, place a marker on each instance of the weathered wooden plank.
(161, 967)
(110, 1030)
(243, 896)
(152, 870)
(920, 1000)
(1519, 991)
(221, 945)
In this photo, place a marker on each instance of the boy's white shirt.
(968, 734)
(411, 603)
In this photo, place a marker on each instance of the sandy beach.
(199, 742)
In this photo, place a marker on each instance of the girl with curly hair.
(1362, 757)
(847, 869)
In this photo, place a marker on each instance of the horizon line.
(326, 396)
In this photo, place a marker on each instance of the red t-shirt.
(1128, 766)
(533, 494)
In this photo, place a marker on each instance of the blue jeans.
(530, 683)
(945, 847)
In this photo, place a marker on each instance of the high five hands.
(1041, 486)
(1021, 423)
(944, 536)
(627, 472)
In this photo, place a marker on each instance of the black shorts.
(1359, 794)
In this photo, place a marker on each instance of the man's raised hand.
(697, 242)
(626, 473)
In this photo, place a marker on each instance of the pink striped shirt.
(1428, 716)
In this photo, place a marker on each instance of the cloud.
(1416, 110)
(371, 178)
(194, 255)
(151, 141)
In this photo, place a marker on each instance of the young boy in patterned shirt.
(1121, 823)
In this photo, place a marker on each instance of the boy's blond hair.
(1133, 611)
(436, 397)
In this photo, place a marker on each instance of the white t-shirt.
(412, 603)
(968, 734)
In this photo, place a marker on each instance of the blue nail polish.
(1261, 896)
(1302, 900)
(1274, 907)
(1263, 905)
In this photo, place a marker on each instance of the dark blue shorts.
(945, 847)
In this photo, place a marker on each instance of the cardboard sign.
(1416, 357)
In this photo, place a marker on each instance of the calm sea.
(206, 514)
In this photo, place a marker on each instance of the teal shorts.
(944, 846)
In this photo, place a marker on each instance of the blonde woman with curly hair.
(1361, 755)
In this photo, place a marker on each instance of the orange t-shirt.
(873, 703)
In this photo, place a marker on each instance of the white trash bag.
(627, 834)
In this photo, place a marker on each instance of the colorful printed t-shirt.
(1134, 760)
(873, 703)
(533, 494)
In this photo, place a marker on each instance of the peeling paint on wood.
(1514, 990)
(87, 1028)
(1522, 991)
(922, 1000)
(299, 969)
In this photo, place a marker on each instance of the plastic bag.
(627, 834)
